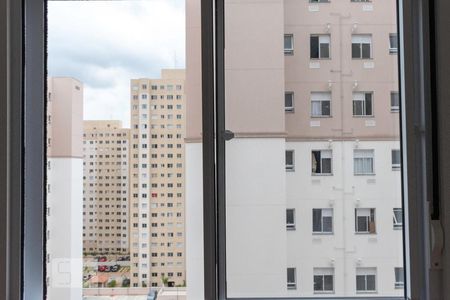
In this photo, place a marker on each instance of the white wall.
(344, 250)
(65, 225)
(194, 221)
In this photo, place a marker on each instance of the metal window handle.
(228, 135)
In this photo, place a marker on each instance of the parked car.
(102, 259)
(102, 268)
(114, 268)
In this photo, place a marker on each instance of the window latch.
(228, 135)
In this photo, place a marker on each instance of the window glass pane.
(314, 47)
(344, 186)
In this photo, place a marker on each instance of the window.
(322, 220)
(289, 101)
(395, 159)
(365, 220)
(289, 44)
(366, 280)
(321, 162)
(399, 278)
(323, 280)
(290, 160)
(393, 43)
(362, 104)
(319, 46)
(398, 218)
(395, 102)
(290, 219)
(291, 279)
(361, 46)
(320, 104)
(363, 162)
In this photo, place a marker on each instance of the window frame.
(370, 219)
(361, 50)
(321, 99)
(319, 55)
(322, 231)
(288, 51)
(363, 105)
(289, 109)
(321, 173)
(418, 75)
(290, 167)
(290, 226)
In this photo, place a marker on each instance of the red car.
(102, 268)
(102, 259)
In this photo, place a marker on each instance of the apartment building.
(313, 171)
(64, 188)
(157, 219)
(105, 187)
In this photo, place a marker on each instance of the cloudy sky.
(106, 43)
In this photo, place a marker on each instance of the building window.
(395, 102)
(393, 43)
(320, 104)
(362, 104)
(365, 220)
(291, 279)
(319, 46)
(363, 162)
(289, 101)
(321, 162)
(290, 219)
(399, 278)
(322, 220)
(366, 280)
(361, 46)
(398, 218)
(290, 160)
(289, 44)
(323, 280)
(396, 159)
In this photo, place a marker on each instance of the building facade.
(157, 180)
(313, 171)
(105, 187)
(64, 188)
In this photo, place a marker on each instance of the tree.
(112, 283)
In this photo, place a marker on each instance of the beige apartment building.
(313, 188)
(105, 187)
(157, 222)
(64, 188)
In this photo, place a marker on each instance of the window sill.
(289, 110)
(323, 292)
(319, 59)
(366, 292)
(362, 59)
(322, 233)
(395, 110)
(365, 174)
(319, 174)
(364, 116)
(365, 233)
(321, 117)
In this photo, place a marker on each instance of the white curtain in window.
(363, 161)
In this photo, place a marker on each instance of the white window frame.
(289, 50)
(324, 155)
(366, 272)
(323, 272)
(395, 95)
(370, 215)
(361, 97)
(290, 167)
(291, 285)
(288, 108)
(360, 40)
(324, 213)
(290, 226)
(322, 39)
(393, 50)
(364, 154)
(397, 220)
(396, 166)
(320, 98)
(398, 283)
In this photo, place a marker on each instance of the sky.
(104, 44)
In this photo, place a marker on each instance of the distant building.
(106, 187)
(157, 222)
(64, 188)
